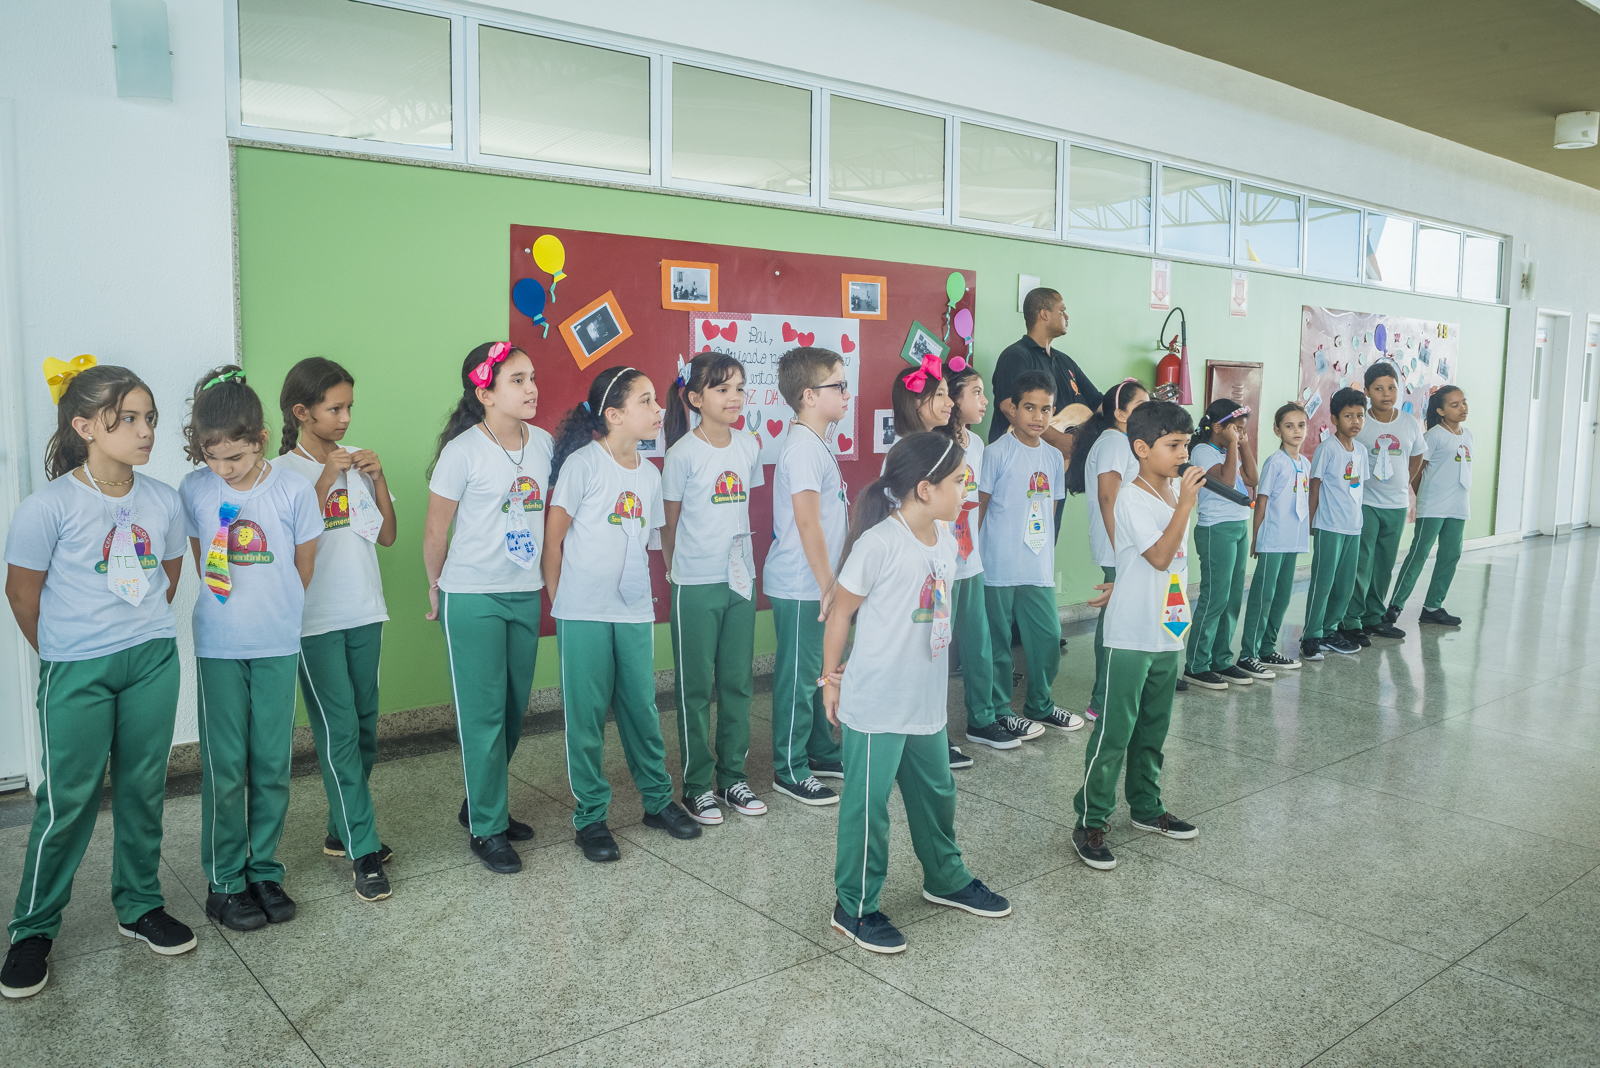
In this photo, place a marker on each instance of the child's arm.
(24, 587)
(669, 531)
(1418, 465)
(199, 558)
(1257, 515)
(1316, 487)
(436, 543)
(1228, 469)
(174, 570)
(557, 521)
(983, 506)
(808, 521)
(1160, 555)
(1106, 487)
(366, 461)
(844, 608)
(1247, 459)
(305, 560)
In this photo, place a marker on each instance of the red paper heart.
(806, 339)
(708, 328)
(738, 424)
(789, 333)
(705, 348)
(774, 427)
(845, 344)
(730, 332)
(845, 443)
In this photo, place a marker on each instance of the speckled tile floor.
(1398, 864)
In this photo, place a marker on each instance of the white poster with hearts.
(758, 341)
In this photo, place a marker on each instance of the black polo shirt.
(1072, 385)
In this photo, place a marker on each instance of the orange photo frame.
(864, 296)
(687, 286)
(595, 329)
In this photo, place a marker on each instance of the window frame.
(1159, 181)
(1410, 285)
(1008, 228)
(1088, 240)
(878, 210)
(1245, 262)
(1416, 256)
(1358, 265)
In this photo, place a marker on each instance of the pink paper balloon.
(963, 323)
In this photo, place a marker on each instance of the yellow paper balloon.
(551, 256)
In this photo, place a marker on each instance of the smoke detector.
(1577, 129)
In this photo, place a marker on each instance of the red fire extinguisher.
(1172, 373)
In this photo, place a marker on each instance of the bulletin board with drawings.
(580, 301)
(1337, 347)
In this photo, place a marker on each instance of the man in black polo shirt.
(1045, 314)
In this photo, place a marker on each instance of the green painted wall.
(396, 270)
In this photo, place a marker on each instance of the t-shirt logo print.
(1463, 453)
(1386, 441)
(141, 545)
(629, 508)
(1350, 475)
(247, 544)
(1039, 483)
(934, 603)
(530, 503)
(729, 489)
(336, 510)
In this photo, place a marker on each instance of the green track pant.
(339, 681)
(977, 652)
(873, 763)
(1221, 550)
(1380, 542)
(493, 644)
(800, 729)
(1097, 696)
(1033, 609)
(1271, 587)
(122, 706)
(246, 747)
(1333, 576)
(713, 649)
(611, 665)
(1448, 533)
(1131, 729)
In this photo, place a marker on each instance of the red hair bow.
(483, 374)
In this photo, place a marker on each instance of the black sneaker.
(1338, 643)
(27, 967)
(278, 905)
(237, 911)
(371, 882)
(871, 932)
(1025, 729)
(1183, 684)
(1277, 660)
(1392, 614)
(496, 853)
(808, 791)
(827, 769)
(162, 933)
(1206, 680)
(994, 736)
(974, 898)
(1356, 637)
(1169, 826)
(1311, 649)
(335, 848)
(597, 844)
(742, 800)
(1061, 719)
(1439, 617)
(1384, 630)
(703, 809)
(515, 831)
(1255, 668)
(1090, 844)
(958, 759)
(674, 820)
(1236, 675)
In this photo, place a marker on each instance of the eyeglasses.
(842, 387)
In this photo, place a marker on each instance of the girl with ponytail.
(1221, 447)
(491, 478)
(1444, 504)
(889, 701)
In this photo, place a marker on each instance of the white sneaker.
(703, 809)
(739, 798)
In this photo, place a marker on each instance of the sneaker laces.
(31, 950)
(1095, 837)
(705, 801)
(811, 784)
(740, 793)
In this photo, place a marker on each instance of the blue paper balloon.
(1379, 336)
(529, 297)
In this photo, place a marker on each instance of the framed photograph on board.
(596, 329)
(921, 342)
(865, 296)
(688, 286)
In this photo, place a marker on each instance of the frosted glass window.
(1195, 210)
(1438, 260)
(1389, 250)
(1269, 227)
(1480, 268)
(1333, 240)
(1007, 177)
(740, 131)
(885, 156)
(345, 69)
(1108, 197)
(559, 102)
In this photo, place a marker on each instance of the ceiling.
(1489, 74)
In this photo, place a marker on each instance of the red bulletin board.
(748, 280)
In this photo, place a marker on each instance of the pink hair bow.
(916, 381)
(483, 374)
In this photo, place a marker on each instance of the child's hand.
(366, 461)
(433, 603)
(337, 463)
(1102, 599)
(830, 693)
(827, 604)
(1189, 487)
(1228, 434)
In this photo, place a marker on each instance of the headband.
(226, 376)
(1239, 412)
(58, 374)
(482, 375)
(1116, 400)
(948, 446)
(609, 384)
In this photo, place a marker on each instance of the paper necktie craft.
(125, 575)
(217, 580)
(1175, 609)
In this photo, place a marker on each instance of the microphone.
(1219, 487)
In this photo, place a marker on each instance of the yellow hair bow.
(58, 374)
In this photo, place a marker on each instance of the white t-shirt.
(1110, 454)
(1019, 479)
(1445, 492)
(263, 612)
(713, 484)
(65, 530)
(804, 464)
(346, 589)
(966, 530)
(1214, 508)
(1285, 481)
(894, 684)
(1343, 473)
(1388, 485)
(475, 472)
(1144, 598)
(613, 511)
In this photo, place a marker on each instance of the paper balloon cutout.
(551, 255)
(1380, 339)
(528, 296)
(963, 325)
(955, 287)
